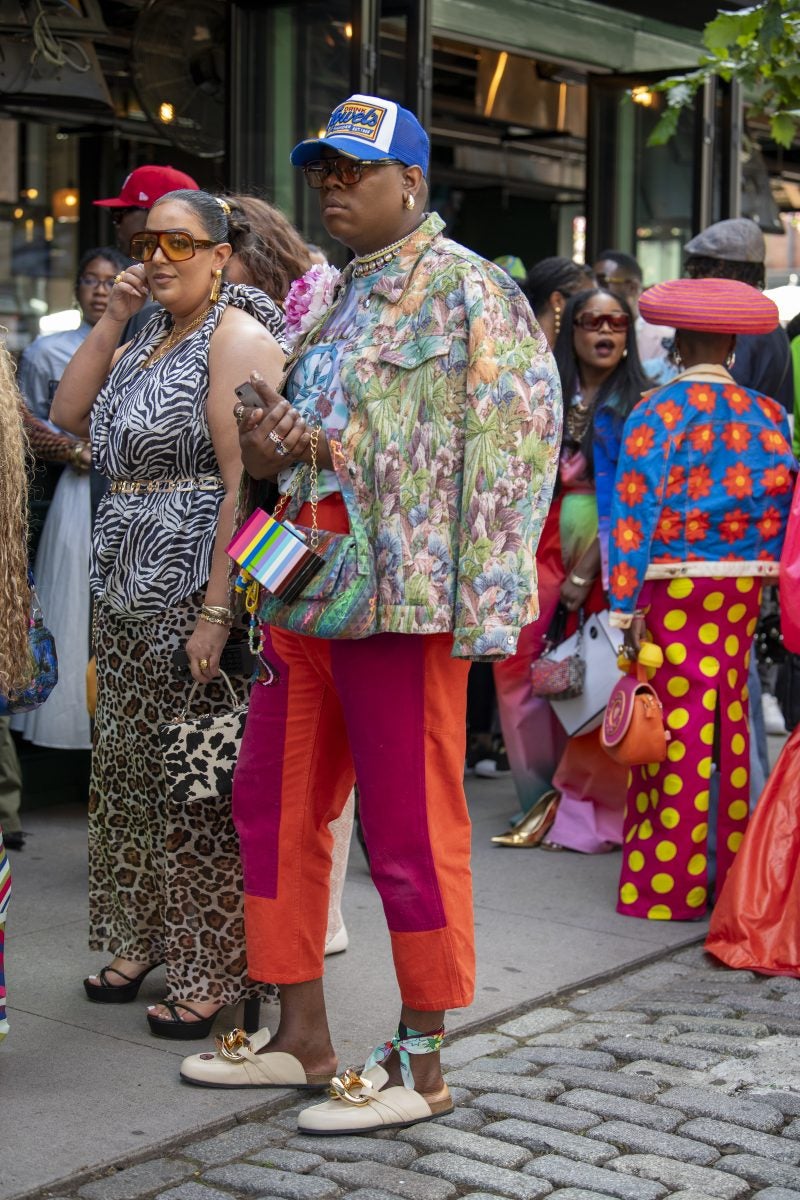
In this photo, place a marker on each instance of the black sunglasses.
(347, 170)
(176, 244)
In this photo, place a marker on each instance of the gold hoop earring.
(216, 286)
(731, 359)
(408, 202)
(557, 321)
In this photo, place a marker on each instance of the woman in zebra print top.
(164, 884)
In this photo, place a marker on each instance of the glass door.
(649, 200)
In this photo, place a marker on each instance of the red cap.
(709, 306)
(147, 184)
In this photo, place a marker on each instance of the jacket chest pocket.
(412, 354)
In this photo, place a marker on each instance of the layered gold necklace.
(368, 264)
(174, 336)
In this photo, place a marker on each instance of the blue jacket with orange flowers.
(704, 485)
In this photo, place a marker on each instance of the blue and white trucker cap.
(369, 128)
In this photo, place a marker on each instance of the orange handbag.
(633, 730)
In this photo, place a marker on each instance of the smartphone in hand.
(248, 396)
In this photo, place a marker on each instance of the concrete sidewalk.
(85, 1085)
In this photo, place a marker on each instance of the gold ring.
(204, 664)
(238, 413)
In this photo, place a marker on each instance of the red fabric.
(790, 578)
(709, 306)
(331, 514)
(755, 925)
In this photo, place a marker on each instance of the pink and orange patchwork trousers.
(389, 711)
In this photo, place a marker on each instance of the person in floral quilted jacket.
(438, 415)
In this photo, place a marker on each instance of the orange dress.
(755, 925)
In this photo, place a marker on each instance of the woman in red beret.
(702, 497)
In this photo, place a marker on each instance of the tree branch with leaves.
(760, 48)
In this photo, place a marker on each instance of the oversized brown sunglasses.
(176, 244)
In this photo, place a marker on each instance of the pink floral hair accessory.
(308, 299)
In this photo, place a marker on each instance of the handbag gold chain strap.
(313, 487)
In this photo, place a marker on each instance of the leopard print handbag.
(200, 753)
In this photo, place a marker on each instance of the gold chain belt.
(147, 487)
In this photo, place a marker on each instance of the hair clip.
(226, 208)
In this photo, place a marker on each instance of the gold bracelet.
(215, 620)
(217, 610)
(577, 581)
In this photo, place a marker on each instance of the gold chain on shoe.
(343, 1087)
(229, 1044)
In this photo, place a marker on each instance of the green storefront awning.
(575, 30)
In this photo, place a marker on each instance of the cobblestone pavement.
(679, 1079)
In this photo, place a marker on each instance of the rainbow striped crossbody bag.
(313, 582)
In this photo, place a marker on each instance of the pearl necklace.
(174, 336)
(368, 264)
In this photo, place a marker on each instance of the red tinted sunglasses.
(590, 322)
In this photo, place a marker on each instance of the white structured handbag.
(583, 713)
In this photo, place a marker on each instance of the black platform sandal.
(189, 1031)
(116, 993)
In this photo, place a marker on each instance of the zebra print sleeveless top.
(149, 552)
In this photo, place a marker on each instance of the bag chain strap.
(313, 480)
(313, 484)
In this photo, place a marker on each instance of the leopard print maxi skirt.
(164, 878)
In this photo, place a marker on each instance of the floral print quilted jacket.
(452, 442)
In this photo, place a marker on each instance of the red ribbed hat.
(709, 306)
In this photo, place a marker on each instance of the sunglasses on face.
(96, 283)
(347, 170)
(175, 244)
(590, 322)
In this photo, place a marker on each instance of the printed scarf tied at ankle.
(407, 1041)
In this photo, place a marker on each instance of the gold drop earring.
(557, 321)
(216, 286)
(408, 202)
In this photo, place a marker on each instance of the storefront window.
(39, 204)
(324, 54)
